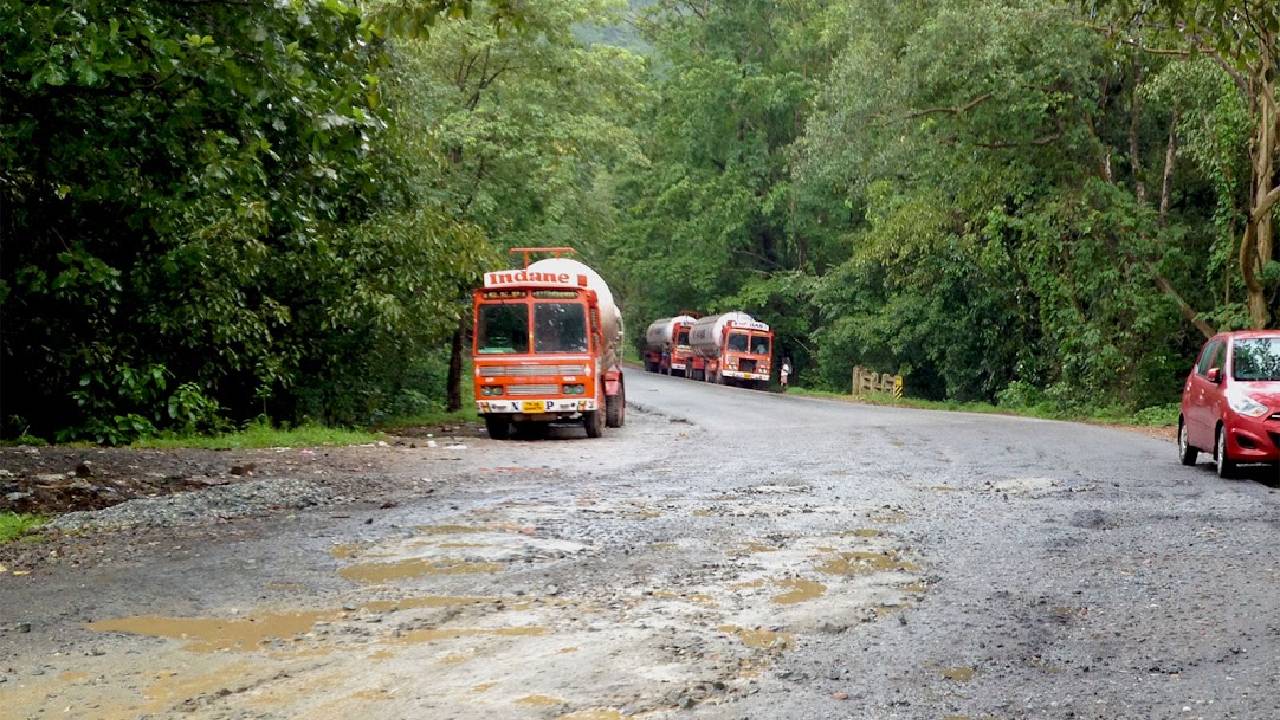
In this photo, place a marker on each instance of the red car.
(1231, 401)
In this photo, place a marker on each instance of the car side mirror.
(1214, 375)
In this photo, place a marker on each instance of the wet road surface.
(728, 554)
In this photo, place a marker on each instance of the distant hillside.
(623, 35)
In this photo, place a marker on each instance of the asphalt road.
(728, 554)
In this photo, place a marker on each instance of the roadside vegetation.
(216, 212)
(262, 435)
(14, 526)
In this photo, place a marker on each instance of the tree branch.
(953, 110)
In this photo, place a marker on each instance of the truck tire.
(593, 421)
(499, 427)
(615, 407)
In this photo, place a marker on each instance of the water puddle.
(370, 573)
(215, 634)
(483, 687)
(862, 533)
(959, 673)
(345, 551)
(758, 547)
(434, 634)
(567, 650)
(798, 591)
(72, 677)
(455, 529)
(426, 601)
(759, 639)
(594, 714)
(864, 563)
(539, 701)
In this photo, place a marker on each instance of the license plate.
(533, 406)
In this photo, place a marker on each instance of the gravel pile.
(227, 501)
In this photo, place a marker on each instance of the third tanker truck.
(666, 345)
(733, 348)
(546, 347)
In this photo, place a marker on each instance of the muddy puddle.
(370, 573)
(855, 563)
(798, 591)
(760, 638)
(423, 635)
(960, 673)
(216, 634)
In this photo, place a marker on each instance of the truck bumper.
(745, 375)
(535, 407)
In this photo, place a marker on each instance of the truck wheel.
(616, 408)
(593, 421)
(498, 426)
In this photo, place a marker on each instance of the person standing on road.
(784, 373)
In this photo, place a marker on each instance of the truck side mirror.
(1214, 375)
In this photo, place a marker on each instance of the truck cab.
(543, 350)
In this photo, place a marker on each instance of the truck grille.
(533, 389)
(747, 365)
(532, 370)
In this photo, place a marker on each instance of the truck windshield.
(683, 337)
(1257, 359)
(738, 342)
(559, 327)
(502, 329)
(760, 345)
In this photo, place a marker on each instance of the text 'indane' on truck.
(730, 349)
(545, 347)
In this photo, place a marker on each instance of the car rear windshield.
(503, 329)
(1256, 359)
(559, 327)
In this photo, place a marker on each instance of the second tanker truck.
(733, 348)
(666, 345)
(546, 347)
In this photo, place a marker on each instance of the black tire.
(1222, 461)
(593, 421)
(615, 407)
(498, 426)
(1187, 454)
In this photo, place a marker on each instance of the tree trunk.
(453, 400)
(1170, 157)
(1135, 154)
(1257, 247)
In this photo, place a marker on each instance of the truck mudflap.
(612, 381)
(536, 407)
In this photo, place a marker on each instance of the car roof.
(1245, 334)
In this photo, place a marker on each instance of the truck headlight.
(491, 390)
(574, 389)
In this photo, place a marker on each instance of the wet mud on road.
(728, 554)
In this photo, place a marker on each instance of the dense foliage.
(214, 210)
(1004, 200)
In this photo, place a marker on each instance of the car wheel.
(1225, 465)
(1186, 454)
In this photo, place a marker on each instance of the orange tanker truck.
(666, 345)
(546, 347)
(731, 349)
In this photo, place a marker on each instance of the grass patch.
(15, 525)
(467, 414)
(262, 435)
(1156, 416)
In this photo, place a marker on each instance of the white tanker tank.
(661, 332)
(610, 315)
(708, 332)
